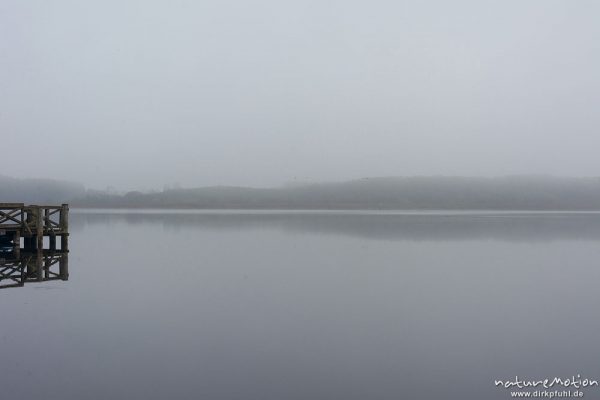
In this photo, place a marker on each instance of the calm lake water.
(243, 305)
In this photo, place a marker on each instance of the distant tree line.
(418, 193)
(407, 193)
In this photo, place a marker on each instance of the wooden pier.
(33, 223)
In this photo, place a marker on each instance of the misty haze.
(299, 199)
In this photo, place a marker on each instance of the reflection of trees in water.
(423, 227)
(18, 267)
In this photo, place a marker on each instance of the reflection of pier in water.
(20, 267)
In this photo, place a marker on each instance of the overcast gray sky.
(138, 94)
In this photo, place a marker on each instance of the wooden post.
(29, 266)
(23, 221)
(23, 273)
(63, 267)
(64, 227)
(47, 262)
(47, 224)
(39, 218)
(28, 237)
(38, 265)
(17, 244)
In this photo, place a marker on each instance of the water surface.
(308, 305)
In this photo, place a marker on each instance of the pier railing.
(11, 215)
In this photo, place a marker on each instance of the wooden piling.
(39, 259)
(64, 227)
(17, 243)
(63, 266)
(29, 220)
(39, 233)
